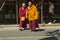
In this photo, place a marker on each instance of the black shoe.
(26, 28)
(21, 29)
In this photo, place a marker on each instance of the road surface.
(16, 34)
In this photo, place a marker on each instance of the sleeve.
(36, 13)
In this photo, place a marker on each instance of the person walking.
(51, 12)
(22, 14)
(32, 15)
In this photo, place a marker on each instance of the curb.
(25, 37)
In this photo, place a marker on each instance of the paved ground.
(15, 34)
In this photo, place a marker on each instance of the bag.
(22, 18)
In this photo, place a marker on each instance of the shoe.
(50, 23)
(26, 28)
(21, 29)
(33, 30)
(37, 28)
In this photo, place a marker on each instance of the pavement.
(13, 33)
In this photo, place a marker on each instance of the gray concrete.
(16, 34)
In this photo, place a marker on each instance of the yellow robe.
(32, 13)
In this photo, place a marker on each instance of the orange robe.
(32, 13)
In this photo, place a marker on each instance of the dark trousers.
(23, 24)
(32, 25)
(50, 17)
(36, 24)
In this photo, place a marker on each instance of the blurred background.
(9, 10)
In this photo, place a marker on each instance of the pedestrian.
(51, 12)
(32, 15)
(22, 14)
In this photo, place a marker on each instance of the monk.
(22, 14)
(32, 15)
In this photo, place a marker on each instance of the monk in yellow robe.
(32, 15)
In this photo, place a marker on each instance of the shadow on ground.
(39, 30)
(49, 38)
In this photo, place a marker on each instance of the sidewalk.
(13, 33)
(16, 34)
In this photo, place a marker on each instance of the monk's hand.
(26, 17)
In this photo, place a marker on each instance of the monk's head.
(29, 3)
(23, 4)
